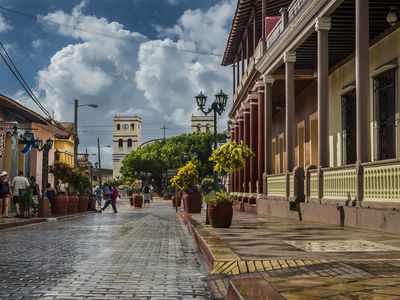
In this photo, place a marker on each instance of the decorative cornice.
(245, 107)
(268, 79)
(289, 56)
(260, 84)
(322, 23)
(252, 96)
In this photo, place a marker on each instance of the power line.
(14, 70)
(32, 62)
(108, 35)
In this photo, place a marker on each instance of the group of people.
(111, 193)
(108, 193)
(11, 190)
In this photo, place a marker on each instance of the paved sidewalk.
(301, 260)
(136, 254)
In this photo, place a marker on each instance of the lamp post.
(99, 157)
(92, 167)
(45, 161)
(76, 140)
(217, 107)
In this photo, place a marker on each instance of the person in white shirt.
(19, 182)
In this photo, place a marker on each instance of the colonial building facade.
(316, 97)
(202, 124)
(127, 137)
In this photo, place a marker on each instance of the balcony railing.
(340, 183)
(258, 52)
(382, 182)
(313, 183)
(276, 185)
(275, 34)
(294, 8)
(291, 185)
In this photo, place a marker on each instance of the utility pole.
(99, 157)
(76, 140)
(166, 167)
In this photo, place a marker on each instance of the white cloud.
(129, 74)
(170, 79)
(4, 26)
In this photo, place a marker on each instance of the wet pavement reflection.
(135, 254)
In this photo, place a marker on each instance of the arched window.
(118, 126)
(129, 143)
(133, 126)
(120, 143)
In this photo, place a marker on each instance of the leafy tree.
(171, 153)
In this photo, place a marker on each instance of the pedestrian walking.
(5, 194)
(112, 199)
(146, 195)
(97, 195)
(18, 183)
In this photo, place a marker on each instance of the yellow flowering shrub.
(187, 178)
(218, 198)
(230, 157)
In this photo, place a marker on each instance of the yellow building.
(64, 145)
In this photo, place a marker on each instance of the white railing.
(294, 8)
(276, 185)
(314, 184)
(340, 183)
(291, 185)
(275, 34)
(382, 182)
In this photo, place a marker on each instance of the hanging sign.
(6, 128)
(28, 139)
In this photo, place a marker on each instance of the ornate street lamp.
(218, 107)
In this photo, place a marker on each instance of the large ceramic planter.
(138, 200)
(176, 202)
(59, 204)
(220, 216)
(83, 203)
(131, 200)
(193, 202)
(73, 204)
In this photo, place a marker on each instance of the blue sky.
(117, 54)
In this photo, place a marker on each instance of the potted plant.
(82, 184)
(220, 210)
(137, 198)
(176, 200)
(227, 158)
(62, 173)
(187, 181)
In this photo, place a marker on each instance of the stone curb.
(26, 222)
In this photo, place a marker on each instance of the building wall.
(202, 124)
(380, 54)
(65, 147)
(37, 156)
(305, 106)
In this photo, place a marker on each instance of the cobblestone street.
(135, 254)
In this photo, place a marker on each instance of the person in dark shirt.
(5, 194)
(50, 191)
(146, 195)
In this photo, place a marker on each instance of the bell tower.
(127, 137)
